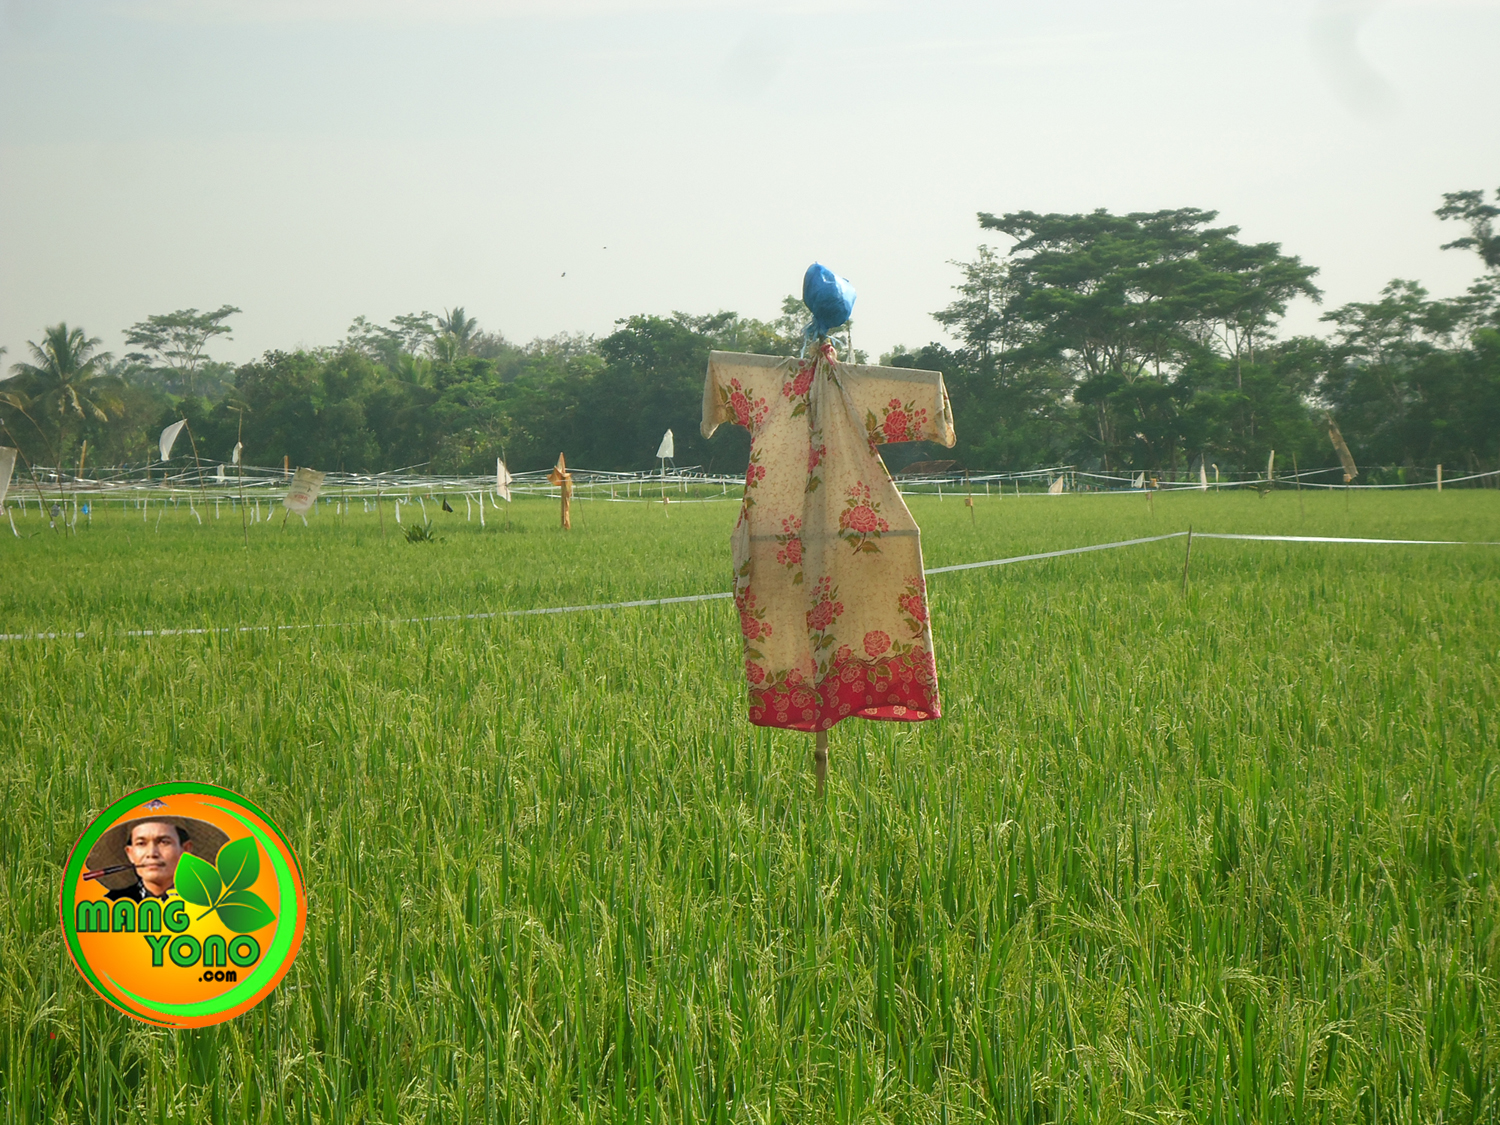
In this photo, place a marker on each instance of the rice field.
(1223, 856)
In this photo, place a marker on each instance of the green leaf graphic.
(243, 911)
(239, 864)
(197, 881)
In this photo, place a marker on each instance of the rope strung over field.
(644, 602)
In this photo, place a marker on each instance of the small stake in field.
(1296, 472)
(238, 458)
(564, 482)
(503, 481)
(1186, 559)
(666, 451)
(820, 759)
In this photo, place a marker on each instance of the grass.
(1224, 857)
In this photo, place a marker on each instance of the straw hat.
(204, 841)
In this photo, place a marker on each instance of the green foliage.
(1131, 342)
(1469, 207)
(225, 887)
(420, 533)
(1224, 857)
(1404, 376)
(175, 344)
(66, 383)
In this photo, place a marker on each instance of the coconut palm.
(66, 379)
(457, 330)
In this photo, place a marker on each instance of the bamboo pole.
(1186, 559)
(197, 465)
(40, 499)
(820, 759)
(239, 463)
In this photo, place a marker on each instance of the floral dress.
(827, 560)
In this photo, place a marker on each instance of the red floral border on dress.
(900, 688)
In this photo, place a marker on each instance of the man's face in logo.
(154, 848)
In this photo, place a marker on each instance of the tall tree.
(982, 317)
(1469, 207)
(67, 379)
(455, 333)
(178, 341)
(1123, 302)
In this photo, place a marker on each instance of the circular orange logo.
(183, 905)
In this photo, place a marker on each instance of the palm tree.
(459, 329)
(67, 379)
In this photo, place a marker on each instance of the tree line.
(1145, 341)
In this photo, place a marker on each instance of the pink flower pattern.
(826, 608)
(898, 421)
(860, 523)
(789, 551)
(744, 407)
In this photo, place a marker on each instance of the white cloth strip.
(641, 602)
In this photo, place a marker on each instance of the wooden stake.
(820, 759)
(1186, 559)
(564, 481)
(1301, 507)
(1440, 473)
(239, 463)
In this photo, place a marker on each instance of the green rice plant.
(1228, 856)
(420, 533)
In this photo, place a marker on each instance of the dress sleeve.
(738, 388)
(900, 404)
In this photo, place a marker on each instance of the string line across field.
(640, 603)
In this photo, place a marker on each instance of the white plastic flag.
(503, 480)
(1271, 466)
(7, 466)
(169, 437)
(303, 493)
(1057, 486)
(664, 451)
(1203, 476)
(1140, 481)
(239, 447)
(219, 476)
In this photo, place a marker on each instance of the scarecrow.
(827, 559)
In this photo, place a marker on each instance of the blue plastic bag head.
(829, 297)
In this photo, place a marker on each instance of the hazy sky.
(314, 160)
